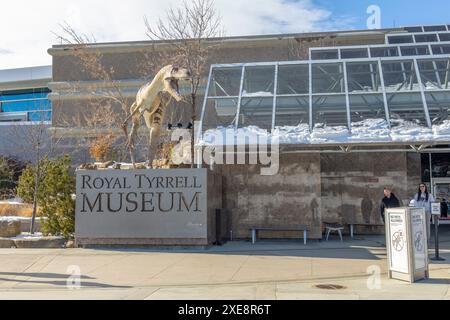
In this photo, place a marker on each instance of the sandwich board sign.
(406, 242)
(436, 208)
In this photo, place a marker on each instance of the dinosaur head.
(173, 74)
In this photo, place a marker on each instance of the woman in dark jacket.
(389, 201)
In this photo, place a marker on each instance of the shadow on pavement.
(41, 275)
(349, 249)
(64, 283)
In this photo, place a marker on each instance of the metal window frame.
(344, 62)
(375, 46)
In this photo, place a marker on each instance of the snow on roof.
(367, 131)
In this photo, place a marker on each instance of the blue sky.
(26, 28)
(400, 12)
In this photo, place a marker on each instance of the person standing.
(424, 199)
(444, 208)
(389, 201)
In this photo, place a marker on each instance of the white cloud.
(26, 26)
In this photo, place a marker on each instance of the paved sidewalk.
(237, 270)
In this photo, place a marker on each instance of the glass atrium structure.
(397, 91)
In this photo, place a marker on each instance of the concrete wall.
(352, 185)
(311, 189)
(290, 198)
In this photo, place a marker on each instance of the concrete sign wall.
(142, 204)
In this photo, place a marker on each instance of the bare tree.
(34, 137)
(108, 92)
(187, 30)
(298, 48)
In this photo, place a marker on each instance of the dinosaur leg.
(132, 137)
(153, 123)
(133, 110)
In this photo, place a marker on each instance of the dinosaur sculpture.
(150, 104)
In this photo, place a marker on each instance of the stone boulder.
(26, 225)
(9, 228)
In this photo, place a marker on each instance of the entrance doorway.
(436, 173)
(441, 190)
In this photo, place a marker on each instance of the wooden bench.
(254, 231)
(442, 221)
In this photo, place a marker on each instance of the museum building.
(24, 103)
(353, 112)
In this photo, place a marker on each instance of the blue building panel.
(34, 103)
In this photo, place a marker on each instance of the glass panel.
(292, 111)
(256, 112)
(384, 52)
(23, 96)
(434, 28)
(293, 79)
(328, 78)
(225, 82)
(220, 113)
(259, 81)
(367, 106)
(329, 110)
(400, 39)
(406, 107)
(13, 117)
(443, 49)
(363, 77)
(414, 29)
(444, 36)
(415, 51)
(434, 73)
(20, 106)
(440, 163)
(426, 38)
(354, 53)
(438, 106)
(40, 116)
(400, 76)
(324, 54)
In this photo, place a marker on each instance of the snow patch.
(15, 201)
(324, 134)
(257, 94)
(369, 130)
(442, 129)
(293, 135)
(27, 235)
(14, 218)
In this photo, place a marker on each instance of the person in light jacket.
(424, 199)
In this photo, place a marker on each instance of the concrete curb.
(41, 243)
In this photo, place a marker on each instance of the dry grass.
(14, 210)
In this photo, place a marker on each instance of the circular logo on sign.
(418, 241)
(397, 241)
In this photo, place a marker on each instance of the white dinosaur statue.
(150, 104)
